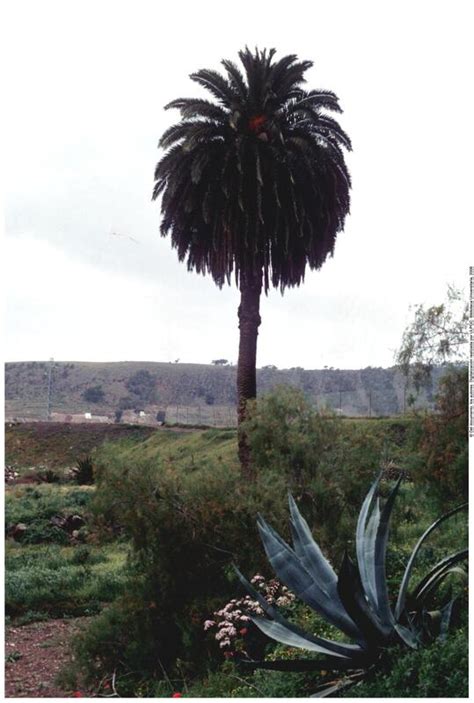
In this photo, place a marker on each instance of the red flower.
(243, 631)
(77, 694)
(177, 695)
(228, 655)
(256, 122)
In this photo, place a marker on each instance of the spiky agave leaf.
(344, 650)
(406, 576)
(293, 573)
(310, 553)
(435, 579)
(361, 606)
(447, 562)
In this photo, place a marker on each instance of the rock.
(74, 522)
(58, 521)
(18, 530)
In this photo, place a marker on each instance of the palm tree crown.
(254, 181)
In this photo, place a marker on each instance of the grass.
(34, 506)
(54, 581)
(187, 451)
(46, 575)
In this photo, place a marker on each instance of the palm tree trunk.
(249, 321)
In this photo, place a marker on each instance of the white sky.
(85, 88)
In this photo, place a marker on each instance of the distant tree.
(270, 367)
(438, 335)
(254, 186)
(209, 398)
(142, 385)
(94, 394)
(118, 415)
(220, 362)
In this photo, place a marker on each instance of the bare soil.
(35, 654)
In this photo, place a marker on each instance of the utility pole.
(50, 378)
(370, 403)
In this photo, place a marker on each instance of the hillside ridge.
(194, 393)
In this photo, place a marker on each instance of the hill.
(190, 393)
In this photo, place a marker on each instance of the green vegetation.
(356, 600)
(84, 472)
(94, 394)
(168, 515)
(54, 581)
(50, 569)
(438, 671)
(178, 497)
(34, 506)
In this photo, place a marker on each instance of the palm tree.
(254, 185)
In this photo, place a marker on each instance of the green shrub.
(84, 472)
(440, 439)
(437, 671)
(94, 394)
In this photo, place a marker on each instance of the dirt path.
(35, 654)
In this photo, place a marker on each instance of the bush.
(142, 386)
(84, 472)
(442, 462)
(94, 394)
(437, 671)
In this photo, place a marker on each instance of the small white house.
(142, 413)
(88, 416)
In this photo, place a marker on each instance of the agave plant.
(356, 601)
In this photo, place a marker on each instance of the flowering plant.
(232, 624)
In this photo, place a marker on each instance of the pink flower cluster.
(231, 621)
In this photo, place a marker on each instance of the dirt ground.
(35, 654)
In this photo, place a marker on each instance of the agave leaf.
(369, 583)
(407, 635)
(406, 576)
(353, 598)
(331, 688)
(435, 581)
(446, 615)
(282, 634)
(309, 551)
(361, 534)
(293, 573)
(383, 604)
(328, 690)
(301, 665)
(447, 562)
(343, 649)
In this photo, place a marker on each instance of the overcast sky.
(87, 275)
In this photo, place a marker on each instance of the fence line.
(351, 403)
